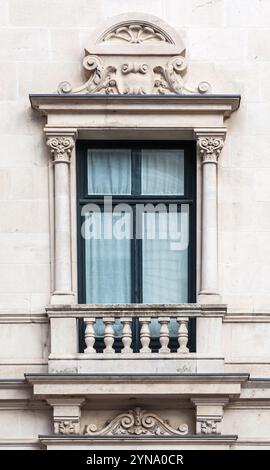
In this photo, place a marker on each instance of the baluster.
(89, 335)
(164, 335)
(126, 335)
(145, 335)
(108, 335)
(183, 335)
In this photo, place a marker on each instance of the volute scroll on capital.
(61, 148)
(210, 148)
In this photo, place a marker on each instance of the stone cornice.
(94, 385)
(188, 439)
(47, 103)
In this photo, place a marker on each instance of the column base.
(62, 298)
(207, 297)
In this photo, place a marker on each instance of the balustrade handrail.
(136, 310)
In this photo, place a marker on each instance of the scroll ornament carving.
(137, 422)
(67, 427)
(209, 426)
(210, 148)
(134, 78)
(61, 148)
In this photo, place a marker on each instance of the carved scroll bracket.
(137, 422)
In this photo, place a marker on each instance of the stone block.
(8, 74)
(24, 44)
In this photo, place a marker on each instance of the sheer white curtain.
(109, 171)
(165, 258)
(163, 171)
(108, 264)
(107, 256)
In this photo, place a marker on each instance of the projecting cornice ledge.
(95, 385)
(48, 103)
(86, 112)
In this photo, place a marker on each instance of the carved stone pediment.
(135, 54)
(137, 422)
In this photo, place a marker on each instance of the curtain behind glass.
(165, 268)
(163, 171)
(108, 264)
(109, 171)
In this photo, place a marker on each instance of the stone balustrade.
(126, 334)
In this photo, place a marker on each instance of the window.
(136, 214)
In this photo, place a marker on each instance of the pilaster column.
(61, 144)
(209, 146)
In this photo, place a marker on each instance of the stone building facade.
(184, 74)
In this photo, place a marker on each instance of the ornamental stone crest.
(135, 54)
(137, 422)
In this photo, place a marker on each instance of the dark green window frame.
(189, 197)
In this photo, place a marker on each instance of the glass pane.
(163, 171)
(165, 256)
(109, 171)
(107, 257)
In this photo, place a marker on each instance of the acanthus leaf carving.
(168, 79)
(100, 78)
(137, 422)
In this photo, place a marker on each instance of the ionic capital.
(210, 143)
(61, 144)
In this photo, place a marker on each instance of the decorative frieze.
(137, 422)
(142, 77)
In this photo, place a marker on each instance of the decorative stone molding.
(155, 60)
(137, 422)
(66, 427)
(210, 147)
(135, 34)
(210, 426)
(61, 148)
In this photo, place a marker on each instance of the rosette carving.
(209, 426)
(137, 422)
